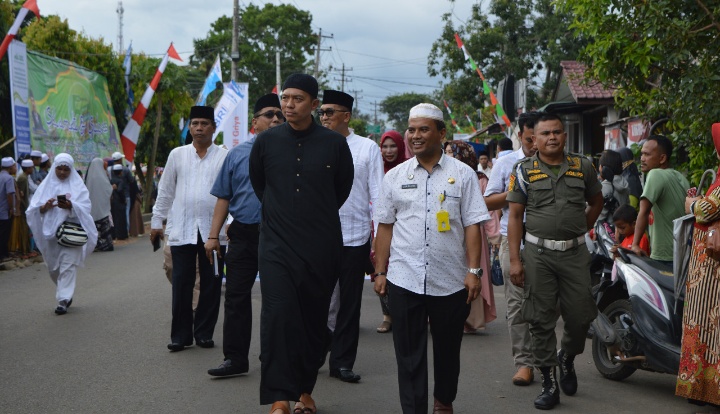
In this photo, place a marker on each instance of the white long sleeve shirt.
(356, 213)
(184, 194)
(499, 182)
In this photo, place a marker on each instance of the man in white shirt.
(184, 195)
(355, 220)
(495, 198)
(429, 215)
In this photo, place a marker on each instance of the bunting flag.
(471, 122)
(132, 130)
(127, 64)
(486, 87)
(452, 117)
(28, 6)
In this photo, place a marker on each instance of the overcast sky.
(385, 42)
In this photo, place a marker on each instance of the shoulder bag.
(71, 235)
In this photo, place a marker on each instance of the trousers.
(519, 329)
(552, 276)
(242, 268)
(343, 350)
(410, 313)
(64, 278)
(202, 326)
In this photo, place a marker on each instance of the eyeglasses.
(271, 115)
(329, 112)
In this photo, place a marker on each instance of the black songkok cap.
(205, 112)
(303, 82)
(265, 101)
(338, 98)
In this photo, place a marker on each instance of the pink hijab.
(401, 153)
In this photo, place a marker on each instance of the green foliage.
(397, 107)
(257, 44)
(359, 126)
(518, 38)
(662, 55)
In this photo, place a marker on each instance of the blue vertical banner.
(211, 83)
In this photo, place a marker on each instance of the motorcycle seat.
(660, 273)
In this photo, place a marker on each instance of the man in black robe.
(302, 173)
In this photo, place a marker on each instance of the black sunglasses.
(271, 115)
(329, 112)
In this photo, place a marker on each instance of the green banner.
(70, 110)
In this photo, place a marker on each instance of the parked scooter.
(639, 325)
(601, 240)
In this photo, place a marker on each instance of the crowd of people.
(314, 208)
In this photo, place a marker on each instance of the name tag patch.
(408, 186)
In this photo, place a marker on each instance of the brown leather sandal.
(306, 405)
(282, 406)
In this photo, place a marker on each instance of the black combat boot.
(550, 395)
(568, 378)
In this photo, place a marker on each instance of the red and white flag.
(131, 132)
(30, 5)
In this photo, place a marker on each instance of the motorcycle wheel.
(601, 356)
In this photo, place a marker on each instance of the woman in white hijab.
(100, 189)
(46, 213)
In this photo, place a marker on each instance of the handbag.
(496, 270)
(712, 241)
(71, 235)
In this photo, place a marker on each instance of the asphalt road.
(109, 355)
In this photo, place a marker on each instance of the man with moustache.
(356, 221)
(556, 262)
(496, 198)
(183, 194)
(235, 195)
(302, 173)
(428, 216)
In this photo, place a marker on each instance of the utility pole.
(120, 11)
(355, 93)
(277, 62)
(234, 54)
(318, 49)
(342, 77)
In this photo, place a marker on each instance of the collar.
(442, 162)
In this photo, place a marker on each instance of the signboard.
(637, 131)
(613, 139)
(374, 129)
(231, 114)
(63, 107)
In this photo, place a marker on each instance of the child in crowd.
(624, 219)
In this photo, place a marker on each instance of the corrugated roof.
(582, 90)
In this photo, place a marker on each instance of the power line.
(398, 82)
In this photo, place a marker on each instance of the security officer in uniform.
(551, 188)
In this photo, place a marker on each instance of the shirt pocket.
(575, 190)
(541, 193)
(452, 203)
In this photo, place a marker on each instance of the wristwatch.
(476, 271)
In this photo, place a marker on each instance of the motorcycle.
(599, 241)
(639, 325)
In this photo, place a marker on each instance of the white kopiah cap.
(27, 163)
(116, 156)
(117, 167)
(35, 153)
(7, 162)
(426, 110)
(44, 158)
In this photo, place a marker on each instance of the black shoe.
(205, 343)
(227, 369)
(176, 347)
(69, 303)
(550, 395)
(345, 375)
(568, 378)
(62, 307)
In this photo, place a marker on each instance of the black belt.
(243, 226)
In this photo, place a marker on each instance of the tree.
(662, 58)
(518, 38)
(262, 31)
(397, 108)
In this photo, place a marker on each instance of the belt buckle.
(560, 245)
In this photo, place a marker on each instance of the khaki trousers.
(520, 339)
